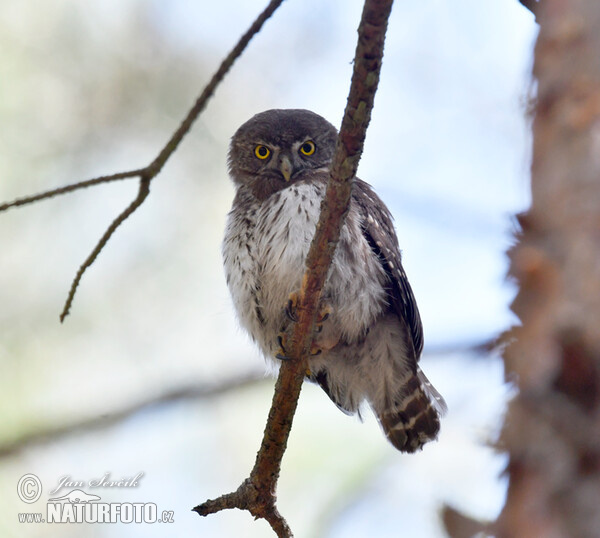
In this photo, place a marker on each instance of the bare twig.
(137, 202)
(208, 91)
(110, 418)
(257, 493)
(70, 188)
(478, 347)
(149, 172)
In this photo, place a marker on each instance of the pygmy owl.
(369, 335)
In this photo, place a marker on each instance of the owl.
(369, 336)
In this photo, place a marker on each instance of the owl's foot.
(291, 308)
(283, 338)
(322, 340)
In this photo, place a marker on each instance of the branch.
(112, 417)
(477, 347)
(257, 493)
(149, 172)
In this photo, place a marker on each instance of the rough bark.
(552, 429)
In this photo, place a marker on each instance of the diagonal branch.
(257, 493)
(148, 173)
(208, 91)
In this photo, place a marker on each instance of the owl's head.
(277, 147)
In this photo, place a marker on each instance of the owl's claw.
(324, 313)
(292, 305)
(320, 342)
(282, 353)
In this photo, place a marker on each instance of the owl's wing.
(378, 230)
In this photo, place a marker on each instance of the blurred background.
(88, 89)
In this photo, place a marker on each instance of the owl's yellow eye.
(262, 152)
(308, 148)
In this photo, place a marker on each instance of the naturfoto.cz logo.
(78, 506)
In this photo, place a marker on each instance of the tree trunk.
(552, 429)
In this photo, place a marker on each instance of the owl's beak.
(285, 167)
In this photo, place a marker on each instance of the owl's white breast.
(264, 252)
(284, 231)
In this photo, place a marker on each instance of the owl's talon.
(324, 314)
(282, 353)
(322, 340)
(292, 305)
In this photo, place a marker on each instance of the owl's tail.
(413, 418)
(383, 370)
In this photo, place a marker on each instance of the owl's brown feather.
(378, 229)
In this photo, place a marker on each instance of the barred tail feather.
(413, 418)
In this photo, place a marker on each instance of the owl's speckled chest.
(264, 253)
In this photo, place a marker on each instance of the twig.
(137, 202)
(478, 347)
(148, 173)
(70, 188)
(104, 420)
(257, 493)
(208, 91)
